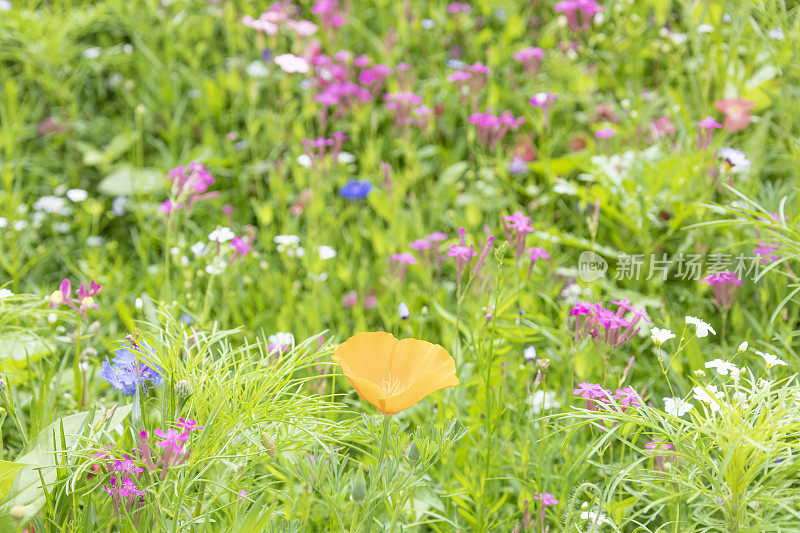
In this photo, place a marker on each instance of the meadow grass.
(589, 207)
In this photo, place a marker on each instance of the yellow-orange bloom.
(392, 374)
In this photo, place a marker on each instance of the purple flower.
(127, 372)
(355, 190)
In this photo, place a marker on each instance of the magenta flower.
(492, 128)
(241, 245)
(705, 132)
(658, 445)
(126, 465)
(765, 251)
(531, 59)
(628, 397)
(421, 244)
(579, 13)
(437, 237)
(455, 8)
(537, 253)
(189, 186)
(462, 253)
(605, 133)
(516, 227)
(724, 286)
(405, 258)
(171, 439)
(590, 391)
(545, 497)
(605, 326)
(188, 425)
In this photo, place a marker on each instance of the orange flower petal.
(422, 387)
(366, 355)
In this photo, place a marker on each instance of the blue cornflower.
(127, 373)
(355, 190)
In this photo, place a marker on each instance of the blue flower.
(127, 372)
(355, 190)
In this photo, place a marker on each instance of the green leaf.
(129, 181)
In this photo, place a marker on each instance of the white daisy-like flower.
(286, 240)
(677, 406)
(709, 395)
(77, 195)
(724, 368)
(282, 338)
(304, 160)
(257, 69)
(660, 336)
(543, 401)
(702, 328)
(771, 359)
(5, 293)
(595, 518)
(326, 252)
(54, 205)
(198, 248)
(221, 234)
(345, 158)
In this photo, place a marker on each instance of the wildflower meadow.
(399, 266)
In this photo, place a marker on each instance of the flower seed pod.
(183, 389)
(359, 491)
(269, 445)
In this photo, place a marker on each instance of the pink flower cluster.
(724, 285)
(85, 296)
(766, 249)
(595, 394)
(603, 325)
(126, 472)
(579, 13)
(324, 149)
(517, 226)
(407, 108)
(278, 14)
(492, 128)
(471, 79)
(531, 59)
(189, 186)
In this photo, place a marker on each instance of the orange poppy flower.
(392, 374)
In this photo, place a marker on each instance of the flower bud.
(183, 389)
(359, 490)
(413, 452)
(18, 512)
(402, 309)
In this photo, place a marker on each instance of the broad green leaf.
(129, 181)
(8, 471)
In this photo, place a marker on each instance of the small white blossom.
(5, 293)
(257, 69)
(286, 240)
(54, 205)
(304, 160)
(660, 336)
(709, 396)
(221, 234)
(282, 338)
(543, 401)
(771, 359)
(677, 406)
(326, 252)
(701, 328)
(198, 248)
(77, 195)
(724, 368)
